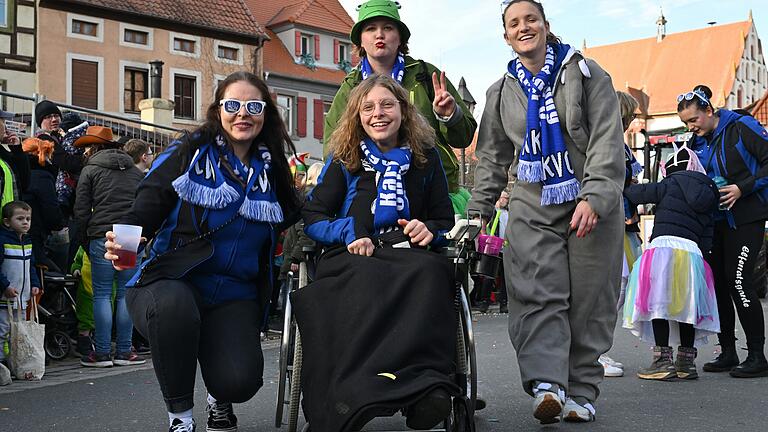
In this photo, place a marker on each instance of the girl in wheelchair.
(378, 323)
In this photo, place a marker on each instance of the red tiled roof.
(230, 16)
(322, 14)
(663, 70)
(278, 60)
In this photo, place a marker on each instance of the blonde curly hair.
(414, 131)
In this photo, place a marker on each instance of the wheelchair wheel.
(467, 363)
(286, 361)
(295, 394)
(57, 344)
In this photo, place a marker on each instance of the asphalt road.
(83, 400)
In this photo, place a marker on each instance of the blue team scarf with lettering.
(544, 157)
(204, 183)
(398, 70)
(391, 201)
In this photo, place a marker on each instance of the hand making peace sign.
(444, 104)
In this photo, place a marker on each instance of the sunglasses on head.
(691, 94)
(253, 107)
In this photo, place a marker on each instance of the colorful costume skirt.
(671, 281)
(632, 250)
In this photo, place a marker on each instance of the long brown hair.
(273, 135)
(551, 38)
(414, 129)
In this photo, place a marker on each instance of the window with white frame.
(85, 27)
(344, 52)
(184, 92)
(228, 53)
(307, 44)
(285, 104)
(185, 45)
(4, 13)
(137, 37)
(135, 85)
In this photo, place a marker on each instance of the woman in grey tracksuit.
(563, 261)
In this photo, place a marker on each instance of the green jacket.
(456, 132)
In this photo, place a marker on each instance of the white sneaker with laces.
(547, 402)
(178, 425)
(609, 370)
(604, 359)
(573, 412)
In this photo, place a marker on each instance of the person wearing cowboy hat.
(381, 40)
(105, 192)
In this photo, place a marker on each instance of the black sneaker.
(754, 366)
(84, 345)
(221, 418)
(177, 425)
(727, 360)
(97, 360)
(429, 410)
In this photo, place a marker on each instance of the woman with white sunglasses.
(554, 118)
(213, 203)
(734, 151)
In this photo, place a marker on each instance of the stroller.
(58, 312)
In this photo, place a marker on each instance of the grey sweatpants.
(562, 292)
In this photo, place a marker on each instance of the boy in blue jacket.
(17, 266)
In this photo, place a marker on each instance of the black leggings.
(733, 259)
(661, 333)
(182, 330)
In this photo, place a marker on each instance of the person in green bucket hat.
(381, 40)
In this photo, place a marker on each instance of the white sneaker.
(547, 404)
(610, 370)
(573, 412)
(604, 359)
(178, 425)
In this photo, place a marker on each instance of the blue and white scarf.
(544, 157)
(205, 185)
(391, 201)
(398, 69)
(633, 163)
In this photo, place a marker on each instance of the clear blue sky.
(464, 37)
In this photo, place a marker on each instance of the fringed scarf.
(204, 184)
(398, 69)
(636, 167)
(391, 201)
(544, 157)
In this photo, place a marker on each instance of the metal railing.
(23, 107)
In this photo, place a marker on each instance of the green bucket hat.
(378, 9)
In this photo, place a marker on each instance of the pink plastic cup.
(489, 245)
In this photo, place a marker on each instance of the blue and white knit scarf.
(634, 164)
(398, 70)
(544, 157)
(391, 201)
(205, 185)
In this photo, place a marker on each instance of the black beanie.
(43, 109)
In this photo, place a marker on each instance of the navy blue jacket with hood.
(686, 202)
(737, 150)
(233, 264)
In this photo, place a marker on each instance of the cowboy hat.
(96, 135)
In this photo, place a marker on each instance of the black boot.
(755, 365)
(727, 360)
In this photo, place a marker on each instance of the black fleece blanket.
(377, 333)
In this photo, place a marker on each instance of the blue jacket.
(685, 205)
(17, 264)
(234, 264)
(737, 150)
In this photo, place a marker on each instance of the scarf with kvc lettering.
(544, 157)
(391, 201)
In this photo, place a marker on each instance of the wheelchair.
(465, 260)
